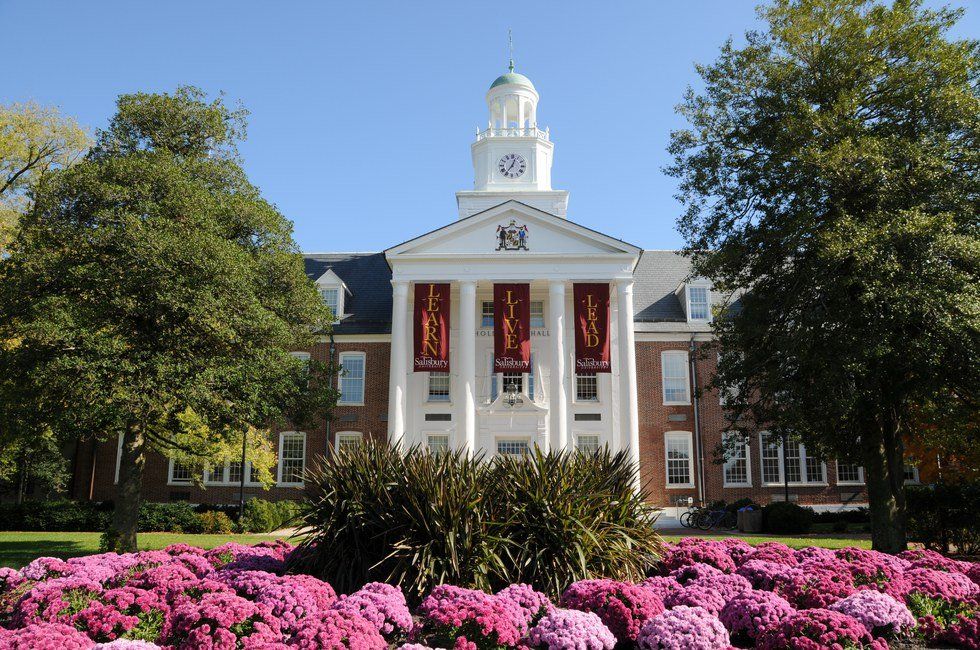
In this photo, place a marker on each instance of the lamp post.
(241, 489)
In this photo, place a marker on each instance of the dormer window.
(333, 290)
(331, 298)
(698, 303)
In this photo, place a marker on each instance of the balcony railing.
(514, 132)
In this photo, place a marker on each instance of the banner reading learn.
(431, 327)
(511, 327)
(591, 328)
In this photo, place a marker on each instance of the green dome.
(511, 78)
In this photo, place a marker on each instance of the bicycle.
(722, 519)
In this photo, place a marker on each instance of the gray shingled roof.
(368, 277)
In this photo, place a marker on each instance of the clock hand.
(511, 166)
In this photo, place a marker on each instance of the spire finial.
(510, 44)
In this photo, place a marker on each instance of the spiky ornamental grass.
(418, 520)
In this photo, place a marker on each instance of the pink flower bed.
(707, 594)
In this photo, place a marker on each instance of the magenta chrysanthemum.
(623, 607)
(381, 605)
(817, 629)
(691, 551)
(748, 614)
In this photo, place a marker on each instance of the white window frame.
(804, 474)
(687, 297)
(687, 377)
(283, 435)
(442, 435)
(746, 451)
(915, 480)
(688, 437)
(343, 437)
(588, 434)
(340, 377)
(500, 439)
(439, 399)
(544, 314)
(579, 400)
(226, 474)
(170, 475)
(339, 313)
(302, 356)
(860, 470)
(484, 314)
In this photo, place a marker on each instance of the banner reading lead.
(431, 327)
(591, 328)
(511, 327)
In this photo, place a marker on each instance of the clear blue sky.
(362, 113)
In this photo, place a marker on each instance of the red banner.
(431, 327)
(591, 328)
(511, 327)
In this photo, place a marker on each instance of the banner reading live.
(591, 328)
(431, 327)
(511, 327)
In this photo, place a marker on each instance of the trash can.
(751, 521)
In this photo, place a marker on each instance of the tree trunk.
(22, 479)
(887, 503)
(126, 515)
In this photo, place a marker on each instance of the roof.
(511, 78)
(368, 279)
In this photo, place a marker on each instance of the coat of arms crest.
(512, 237)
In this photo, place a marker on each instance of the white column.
(558, 400)
(630, 421)
(398, 386)
(466, 361)
(520, 113)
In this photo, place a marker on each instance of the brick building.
(513, 227)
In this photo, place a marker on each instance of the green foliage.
(166, 295)
(787, 518)
(215, 522)
(262, 516)
(178, 517)
(944, 611)
(830, 165)
(417, 520)
(56, 515)
(944, 517)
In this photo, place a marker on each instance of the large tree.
(34, 140)
(156, 295)
(830, 178)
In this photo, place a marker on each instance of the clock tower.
(512, 156)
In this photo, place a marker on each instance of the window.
(331, 298)
(513, 447)
(587, 443)
(736, 469)
(348, 439)
(911, 474)
(586, 388)
(697, 304)
(292, 457)
(438, 443)
(235, 472)
(537, 313)
(486, 318)
(179, 473)
(513, 379)
(530, 380)
(799, 467)
(215, 475)
(438, 386)
(351, 378)
(849, 474)
(680, 460)
(675, 378)
(302, 356)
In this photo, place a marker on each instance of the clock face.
(512, 165)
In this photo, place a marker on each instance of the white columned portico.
(629, 419)
(467, 361)
(398, 386)
(558, 407)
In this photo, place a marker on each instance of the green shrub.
(788, 518)
(417, 520)
(944, 517)
(59, 515)
(176, 517)
(263, 516)
(215, 522)
(855, 516)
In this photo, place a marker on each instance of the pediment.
(512, 229)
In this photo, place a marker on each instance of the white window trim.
(226, 472)
(346, 434)
(782, 467)
(441, 434)
(699, 284)
(690, 460)
(589, 434)
(428, 390)
(663, 377)
(598, 390)
(282, 438)
(509, 438)
(915, 480)
(340, 361)
(747, 442)
(860, 480)
(170, 475)
(341, 291)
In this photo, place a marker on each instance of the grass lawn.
(795, 542)
(18, 549)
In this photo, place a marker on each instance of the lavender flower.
(683, 628)
(569, 629)
(881, 614)
(382, 605)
